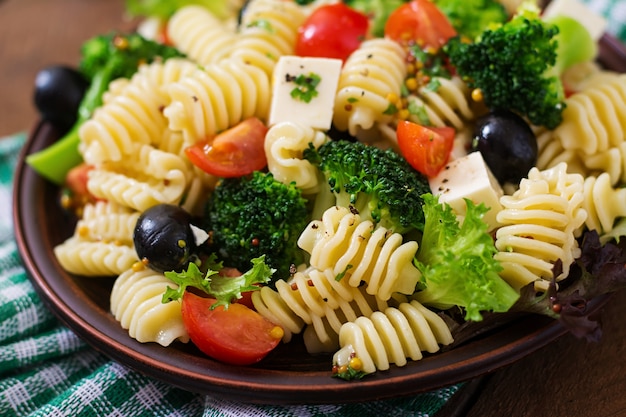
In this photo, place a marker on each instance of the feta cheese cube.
(469, 177)
(295, 96)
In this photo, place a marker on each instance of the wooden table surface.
(568, 377)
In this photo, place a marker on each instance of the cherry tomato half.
(237, 336)
(234, 152)
(76, 179)
(419, 21)
(332, 31)
(427, 149)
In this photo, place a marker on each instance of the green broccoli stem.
(55, 161)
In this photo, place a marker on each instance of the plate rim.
(255, 384)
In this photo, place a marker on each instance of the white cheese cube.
(293, 97)
(593, 22)
(469, 177)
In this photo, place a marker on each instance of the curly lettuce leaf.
(223, 289)
(457, 264)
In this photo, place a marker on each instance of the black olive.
(163, 237)
(507, 144)
(58, 93)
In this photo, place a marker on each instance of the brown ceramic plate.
(289, 374)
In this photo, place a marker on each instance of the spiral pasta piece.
(136, 303)
(391, 336)
(318, 300)
(132, 113)
(106, 221)
(145, 178)
(216, 98)
(593, 118)
(102, 242)
(268, 30)
(94, 258)
(551, 153)
(284, 145)
(540, 221)
(268, 303)
(369, 76)
(199, 34)
(603, 203)
(445, 105)
(346, 244)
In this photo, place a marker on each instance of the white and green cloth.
(46, 370)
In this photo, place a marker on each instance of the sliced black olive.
(507, 144)
(58, 93)
(164, 238)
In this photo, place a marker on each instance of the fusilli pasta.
(136, 304)
(540, 221)
(216, 98)
(94, 258)
(145, 178)
(348, 245)
(195, 31)
(369, 76)
(284, 144)
(446, 104)
(268, 30)
(392, 336)
(604, 203)
(132, 114)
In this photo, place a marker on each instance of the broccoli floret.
(104, 58)
(512, 65)
(379, 184)
(255, 215)
(471, 17)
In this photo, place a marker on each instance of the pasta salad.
(369, 179)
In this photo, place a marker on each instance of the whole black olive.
(507, 144)
(164, 238)
(58, 93)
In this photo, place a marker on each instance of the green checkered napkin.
(45, 370)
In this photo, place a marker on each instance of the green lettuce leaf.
(457, 262)
(224, 289)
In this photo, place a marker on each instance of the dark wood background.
(568, 377)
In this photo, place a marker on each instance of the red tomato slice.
(235, 152)
(238, 336)
(419, 21)
(332, 31)
(427, 149)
